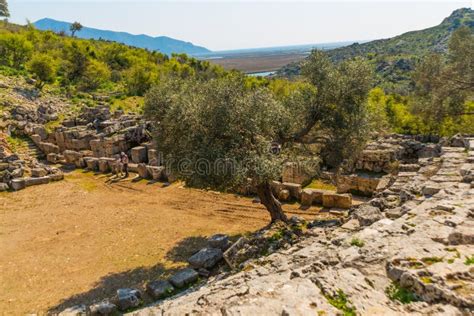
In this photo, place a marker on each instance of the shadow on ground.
(107, 286)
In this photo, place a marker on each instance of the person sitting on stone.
(124, 160)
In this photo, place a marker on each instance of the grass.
(426, 280)
(357, 242)
(431, 260)
(52, 125)
(397, 293)
(17, 142)
(341, 302)
(321, 185)
(469, 260)
(84, 181)
(128, 105)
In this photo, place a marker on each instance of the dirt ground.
(80, 239)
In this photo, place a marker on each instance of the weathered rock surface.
(424, 248)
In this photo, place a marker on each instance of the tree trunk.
(273, 206)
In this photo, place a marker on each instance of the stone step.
(409, 167)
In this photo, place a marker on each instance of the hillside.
(164, 44)
(394, 58)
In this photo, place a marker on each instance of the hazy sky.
(225, 24)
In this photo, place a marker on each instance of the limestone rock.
(205, 258)
(184, 277)
(102, 309)
(18, 184)
(128, 298)
(159, 289)
(220, 241)
(78, 310)
(337, 200)
(367, 214)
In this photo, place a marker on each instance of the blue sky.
(226, 24)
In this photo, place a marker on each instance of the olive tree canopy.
(218, 133)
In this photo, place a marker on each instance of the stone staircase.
(30, 151)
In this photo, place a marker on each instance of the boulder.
(219, 241)
(18, 184)
(78, 310)
(367, 214)
(337, 200)
(184, 277)
(205, 258)
(102, 309)
(159, 289)
(139, 154)
(128, 298)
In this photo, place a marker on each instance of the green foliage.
(43, 68)
(90, 65)
(444, 88)
(342, 303)
(397, 293)
(469, 260)
(95, 75)
(431, 260)
(14, 50)
(357, 242)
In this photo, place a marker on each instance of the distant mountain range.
(164, 44)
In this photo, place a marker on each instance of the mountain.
(163, 44)
(394, 58)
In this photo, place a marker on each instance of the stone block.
(306, 197)
(184, 277)
(367, 214)
(294, 189)
(294, 173)
(36, 139)
(102, 309)
(3, 187)
(139, 154)
(159, 289)
(56, 176)
(205, 258)
(77, 310)
(157, 173)
(52, 158)
(37, 181)
(48, 148)
(104, 165)
(220, 241)
(337, 200)
(143, 171)
(128, 298)
(154, 157)
(71, 156)
(92, 163)
(38, 172)
(18, 184)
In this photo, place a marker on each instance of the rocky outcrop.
(425, 253)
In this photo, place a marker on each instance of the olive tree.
(444, 85)
(4, 9)
(218, 133)
(75, 27)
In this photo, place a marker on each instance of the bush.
(43, 68)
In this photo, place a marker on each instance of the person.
(124, 160)
(118, 166)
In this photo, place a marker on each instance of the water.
(262, 74)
